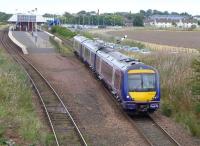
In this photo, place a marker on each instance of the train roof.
(110, 55)
(92, 45)
(118, 59)
(80, 38)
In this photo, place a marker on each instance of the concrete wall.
(23, 47)
(58, 40)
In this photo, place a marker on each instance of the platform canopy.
(26, 18)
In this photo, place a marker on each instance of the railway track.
(152, 132)
(63, 126)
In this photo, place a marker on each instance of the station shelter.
(26, 22)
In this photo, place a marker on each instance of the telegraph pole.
(98, 16)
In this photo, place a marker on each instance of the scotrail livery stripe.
(140, 71)
(142, 96)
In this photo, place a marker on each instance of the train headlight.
(127, 97)
(154, 98)
(154, 105)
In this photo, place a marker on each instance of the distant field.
(171, 38)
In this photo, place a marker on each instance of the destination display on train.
(26, 18)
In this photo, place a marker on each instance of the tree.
(67, 15)
(82, 12)
(149, 13)
(166, 13)
(143, 12)
(48, 15)
(174, 13)
(138, 20)
(4, 17)
(157, 12)
(185, 14)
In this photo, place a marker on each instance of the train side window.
(117, 82)
(87, 53)
(92, 58)
(98, 63)
(107, 71)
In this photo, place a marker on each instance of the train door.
(117, 81)
(90, 59)
(113, 77)
(81, 50)
(100, 64)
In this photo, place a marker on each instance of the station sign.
(26, 18)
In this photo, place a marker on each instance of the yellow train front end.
(143, 89)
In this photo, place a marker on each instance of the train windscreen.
(141, 82)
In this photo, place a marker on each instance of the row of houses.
(168, 21)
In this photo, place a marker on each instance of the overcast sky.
(73, 6)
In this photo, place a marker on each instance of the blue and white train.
(133, 83)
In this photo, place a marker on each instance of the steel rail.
(8, 46)
(144, 135)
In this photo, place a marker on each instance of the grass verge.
(64, 50)
(176, 73)
(19, 122)
(3, 25)
(62, 31)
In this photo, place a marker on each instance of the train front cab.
(141, 90)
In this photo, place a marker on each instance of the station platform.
(33, 45)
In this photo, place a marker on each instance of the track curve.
(64, 127)
(152, 132)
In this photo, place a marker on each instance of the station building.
(26, 22)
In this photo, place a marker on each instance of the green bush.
(196, 79)
(166, 109)
(88, 35)
(62, 31)
(3, 142)
(197, 108)
(65, 51)
(2, 130)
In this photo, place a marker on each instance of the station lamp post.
(36, 20)
(34, 11)
(17, 17)
(29, 20)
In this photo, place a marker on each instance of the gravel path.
(98, 116)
